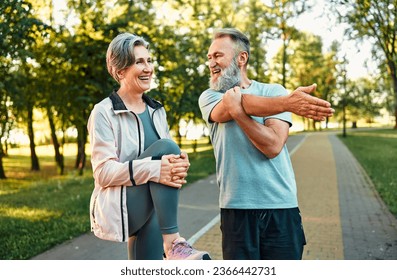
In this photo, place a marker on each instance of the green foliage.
(306, 61)
(376, 150)
(18, 28)
(374, 20)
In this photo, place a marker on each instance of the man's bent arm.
(269, 138)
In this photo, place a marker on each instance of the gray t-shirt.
(246, 177)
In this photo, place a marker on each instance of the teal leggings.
(152, 210)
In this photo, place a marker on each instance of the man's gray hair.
(241, 40)
(120, 53)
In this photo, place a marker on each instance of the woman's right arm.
(107, 169)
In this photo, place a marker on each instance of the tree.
(86, 72)
(4, 127)
(376, 20)
(258, 25)
(18, 31)
(368, 100)
(24, 97)
(306, 64)
(282, 13)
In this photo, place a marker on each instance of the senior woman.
(137, 168)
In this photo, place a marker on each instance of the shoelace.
(182, 248)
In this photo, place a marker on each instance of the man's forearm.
(263, 106)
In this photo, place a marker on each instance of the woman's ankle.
(168, 240)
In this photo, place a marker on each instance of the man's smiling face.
(222, 62)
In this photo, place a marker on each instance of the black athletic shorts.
(262, 234)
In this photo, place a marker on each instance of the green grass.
(202, 164)
(39, 210)
(376, 150)
(38, 215)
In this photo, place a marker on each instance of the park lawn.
(376, 150)
(39, 210)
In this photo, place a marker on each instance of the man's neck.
(245, 83)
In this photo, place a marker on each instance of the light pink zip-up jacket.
(116, 138)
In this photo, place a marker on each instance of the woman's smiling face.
(138, 76)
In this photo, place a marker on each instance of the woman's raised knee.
(167, 146)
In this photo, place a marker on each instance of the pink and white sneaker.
(181, 250)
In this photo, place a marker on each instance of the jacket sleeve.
(107, 168)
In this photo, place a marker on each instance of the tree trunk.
(58, 155)
(33, 156)
(284, 63)
(344, 118)
(395, 100)
(2, 173)
(179, 136)
(81, 156)
(393, 74)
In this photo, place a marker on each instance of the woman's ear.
(120, 74)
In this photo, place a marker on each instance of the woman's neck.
(133, 101)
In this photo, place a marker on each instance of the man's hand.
(301, 103)
(232, 102)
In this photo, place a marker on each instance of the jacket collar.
(118, 104)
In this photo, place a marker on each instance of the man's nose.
(211, 63)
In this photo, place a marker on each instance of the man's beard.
(229, 78)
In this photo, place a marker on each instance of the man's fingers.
(308, 89)
(318, 101)
(322, 110)
(316, 116)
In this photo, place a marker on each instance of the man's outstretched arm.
(299, 102)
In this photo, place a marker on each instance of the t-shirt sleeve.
(207, 101)
(279, 90)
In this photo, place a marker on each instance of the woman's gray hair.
(120, 53)
(242, 41)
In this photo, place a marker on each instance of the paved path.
(343, 216)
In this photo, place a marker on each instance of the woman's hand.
(174, 170)
(184, 164)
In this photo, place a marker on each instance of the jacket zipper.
(93, 210)
(122, 216)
